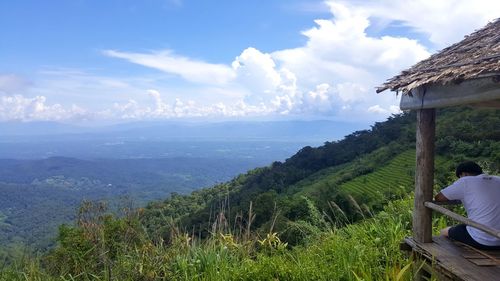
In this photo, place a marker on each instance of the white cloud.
(177, 108)
(379, 110)
(189, 69)
(444, 22)
(340, 49)
(67, 86)
(341, 55)
(161, 108)
(18, 107)
(128, 110)
(349, 92)
(257, 71)
(321, 99)
(333, 74)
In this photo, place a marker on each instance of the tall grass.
(368, 250)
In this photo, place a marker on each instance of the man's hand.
(440, 197)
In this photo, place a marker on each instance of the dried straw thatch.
(475, 56)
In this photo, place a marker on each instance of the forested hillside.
(36, 196)
(359, 174)
(317, 215)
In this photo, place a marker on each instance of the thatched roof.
(475, 56)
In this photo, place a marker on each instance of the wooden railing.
(435, 206)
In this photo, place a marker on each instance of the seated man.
(480, 195)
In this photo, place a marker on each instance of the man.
(480, 195)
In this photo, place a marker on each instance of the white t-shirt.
(481, 198)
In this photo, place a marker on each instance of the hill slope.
(362, 171)
(251, 221)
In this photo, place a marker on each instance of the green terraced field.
(401, 166)
(393, 178)
(390, 181)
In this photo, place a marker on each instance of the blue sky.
(96, 61)
(74, 32)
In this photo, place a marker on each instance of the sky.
(100, 61)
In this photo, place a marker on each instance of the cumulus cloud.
(378, 109)
(257, 71)
(443, 22)
(333, 74)
(339, 51)
(129, 110)
(161, 108)
(321, 99)
(335, 71)
(21, 108)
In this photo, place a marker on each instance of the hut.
(466, 73)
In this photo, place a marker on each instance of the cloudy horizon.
(300, 60)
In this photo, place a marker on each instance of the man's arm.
(440, 197)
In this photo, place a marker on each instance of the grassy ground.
(364, 251)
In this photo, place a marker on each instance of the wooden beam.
(483, 91)
(424, 175)
(467, 221)
(487, 104)
(449, 202)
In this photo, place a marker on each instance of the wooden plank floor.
(457, 261)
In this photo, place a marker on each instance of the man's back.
(481, 198)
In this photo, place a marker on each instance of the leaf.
(403, 271)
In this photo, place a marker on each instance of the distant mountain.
(18, 128)
(322, 130)
(267, 140)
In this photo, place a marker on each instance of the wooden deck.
(456, 261)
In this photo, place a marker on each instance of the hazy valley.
(48, 168)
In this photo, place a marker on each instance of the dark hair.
(468, 167)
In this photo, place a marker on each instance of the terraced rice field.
(394, 178)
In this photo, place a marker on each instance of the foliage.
(359, 173)
(365, 251)
(36, 196)
(268, 188)
(336, 212)
(95, 242)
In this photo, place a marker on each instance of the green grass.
(367, 250)
(364, 251)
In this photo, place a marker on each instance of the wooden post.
(424, 176)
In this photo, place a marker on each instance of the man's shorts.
(460, 233)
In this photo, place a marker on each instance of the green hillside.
(316, 216)
(395, 178)
(365, 170)
(378, 185)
